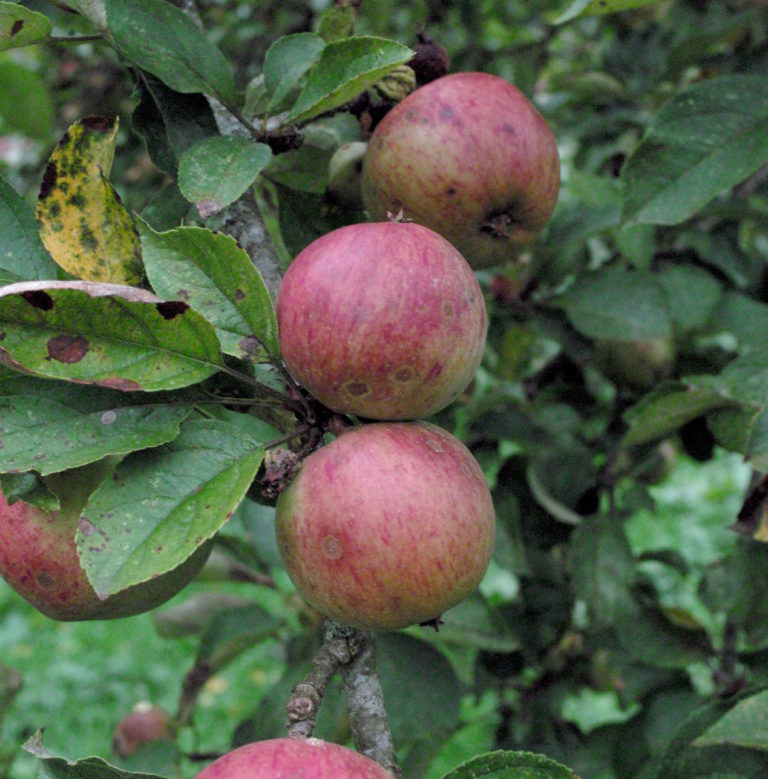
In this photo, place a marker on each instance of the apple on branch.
(469, 156)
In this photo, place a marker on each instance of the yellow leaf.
(83, 223)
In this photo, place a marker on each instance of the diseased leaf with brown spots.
(21, 26)
(107, 334)
(83, 223)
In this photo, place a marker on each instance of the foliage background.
(593, 643)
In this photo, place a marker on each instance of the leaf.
(25, 102)
(511, 765)
(170, 122)
(703, 141)
(693, 294)
(743, 318)
(107, 334)
(286, 61)
(232, 631)
(216, 171)
(667, 409)
(591, 7)
(591, 709)
(20, 26)
(217, 278)
(618, 304)
(345, 69)
(49, 426)
(420, 687)
(163, 40)
(161, 504)
(83, 223)
(53, 767)
(745, 725)
(22, 254)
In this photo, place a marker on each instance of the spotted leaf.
(82, 220)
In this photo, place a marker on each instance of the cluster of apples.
(392, 523)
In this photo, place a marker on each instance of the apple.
(38, 556)
(639, 365)
(387, 526)
(145, 723)
(470, 157)
(383, 320)
(293, 758)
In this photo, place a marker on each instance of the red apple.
(145, 723)
(387, 526)
(293, 758)
(469, 156)
(384, 320)
(39, 560)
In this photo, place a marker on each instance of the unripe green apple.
(469, 156)
(383, 320)
(293, 758)
(387, 526)
(38, 556)
(640, 365)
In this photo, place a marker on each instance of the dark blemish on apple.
(451, 191)
(49, 180)
(169, 309)
(332, 548)
(357, 388)
(16, 27)
(509, 129)
(434, 371)
(239, 294)
(404, 374)
(46, 581)
(97, 123)
(38, 299)
(447, 309)
(68, 348)
(86, 527)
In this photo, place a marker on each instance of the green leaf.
(22, 254)
(511, 765)
(743, 318)
(20, 26)
(591, 709)
(706, 139)
(161, 504)
(667, 409)
(619, 305)
(51, 426)
(420, 687)
(232, 631)
(25, 102)
(286, 61)
(217, 278)
(170, 122)
(107, 334)
(345, 69)
(163, 40)
(216, 171)
(602, 569)
(83, 223)
(692, 292)
(591, 7)
(53, 767)
(745, 725)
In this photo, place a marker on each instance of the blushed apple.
(383, 320)
(293, 758)
(469, 156)
(38, 556)
(389, 525)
